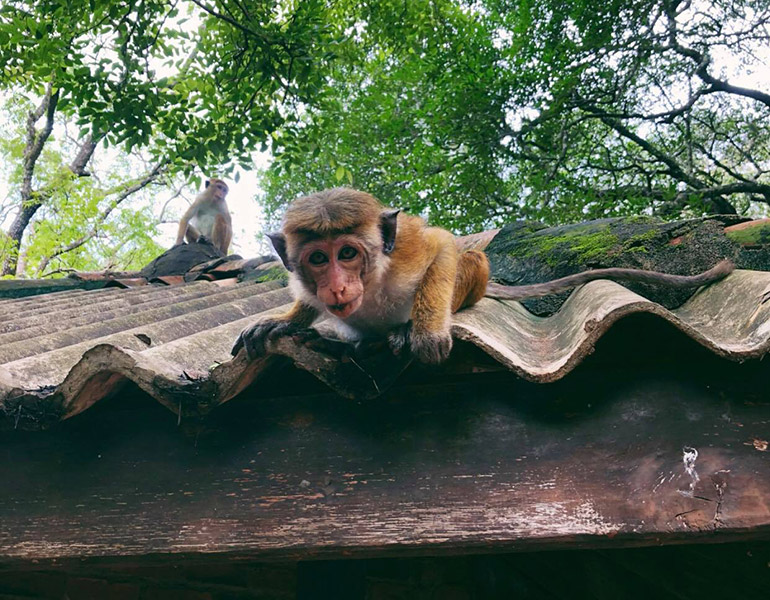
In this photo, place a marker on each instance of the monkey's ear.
(388, 225)
(279, 243)
(208, 181)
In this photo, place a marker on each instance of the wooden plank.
(683, 572)
(645, 455)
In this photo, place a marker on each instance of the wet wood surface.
(625, 451)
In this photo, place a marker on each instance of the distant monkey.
(378, 272)
(208, 219)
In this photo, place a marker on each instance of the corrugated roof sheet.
(61, 352)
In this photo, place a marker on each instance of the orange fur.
(301, 314)
(222, 234)
(330, 212)
(191, 234)
(436, 269)
(447, 277)
(471, 280)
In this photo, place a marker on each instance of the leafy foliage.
(412, 115)
(80, 215)
(225, 78)
(196, 86)
(476, 113)
(470, 112)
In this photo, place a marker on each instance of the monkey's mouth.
(343, 311)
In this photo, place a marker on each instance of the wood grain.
(479, 463)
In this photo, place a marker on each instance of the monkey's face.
(217, 189)
(335, 268)
(220, 190)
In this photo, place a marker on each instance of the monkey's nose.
(339, 295)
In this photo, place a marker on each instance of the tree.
(98, 63)
(637, 109)
(413, 113)
(100, 221)
(470, 112)
(475, 113)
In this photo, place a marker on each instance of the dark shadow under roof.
(62, 352)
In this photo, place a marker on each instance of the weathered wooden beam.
(22, 288)
(651, 452)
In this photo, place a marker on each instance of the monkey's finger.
(431, 348)
(248, 339)
(238, 345)
(398, 339)
(253, 344)
(305, 336)
(277, 331)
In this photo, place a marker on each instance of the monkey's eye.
(317, 258)
(347, 253)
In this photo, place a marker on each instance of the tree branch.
(32, 150)
(719, 204)
(703, 61)
(36, 140)
(138, 185)
(250, 32)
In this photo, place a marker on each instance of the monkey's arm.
(223, 232)
(429, 336)
(228, 234)
(300, 316)
(184, 221)
(521, 292)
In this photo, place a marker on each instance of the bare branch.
(34, 147)
(36, 140)
(177, 193)
(93, 232)
(737, 187)
(674, 168)
(719, 204)
(57, 271)
(703, 61)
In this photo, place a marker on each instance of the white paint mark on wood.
(689, 456)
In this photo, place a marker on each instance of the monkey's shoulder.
(417, 246)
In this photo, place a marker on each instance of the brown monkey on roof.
(208, 219)
(378, 272)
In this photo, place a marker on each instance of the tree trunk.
(32, 200)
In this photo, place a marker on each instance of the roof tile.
(64, 351)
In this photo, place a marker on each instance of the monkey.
(208, 220)
(380, 273)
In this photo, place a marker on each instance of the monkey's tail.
(520, 292)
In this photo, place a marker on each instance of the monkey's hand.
(253, 338)
(426, 346)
